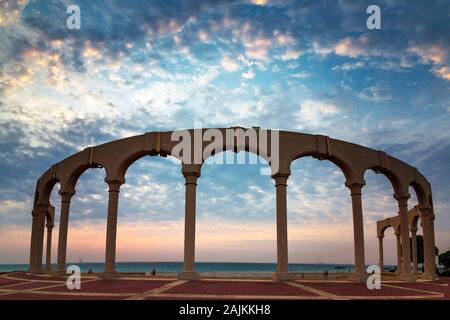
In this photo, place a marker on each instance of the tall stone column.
(427, 220)
(432, 244)
(190, 175)
(63, 229)
(111, 228)
(282, 238)
(414, 249)
(38, 237)
(404, 229)
(399, 253)
(34, 227)
(381, 254)
(48, 252)
(358, 227)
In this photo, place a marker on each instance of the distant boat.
(80, 260)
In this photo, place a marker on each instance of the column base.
(427, 276)
(60, 273)
(407, 277)
(109, 275)
(188, 275)
(359, 277)
(36, 272)
(283, 276)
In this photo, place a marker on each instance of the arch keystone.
(383, 160)
(323, 147)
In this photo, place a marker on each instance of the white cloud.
(314, 112)
(376, 93)
(300, 75)
(229, 64)
(248, 75)
(350, 66)
(443, 72)
(437, 55)
(260, 2)
(290, 54)
(351, 47)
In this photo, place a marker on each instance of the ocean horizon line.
(200, 266)
(172, 261)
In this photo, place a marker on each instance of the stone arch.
(395, 181)
(208, 178)
(383, 230)
(72, 180)
(46, 190)
(420, 193)
(312, 196)
(339, 163)
(342, 154)
(395, 226)
(414, 222)
(241, 142)
(353, 160)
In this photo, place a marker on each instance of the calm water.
(200, 267)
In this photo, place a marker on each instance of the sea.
(199, 266)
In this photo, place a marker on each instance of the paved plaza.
(22, 286)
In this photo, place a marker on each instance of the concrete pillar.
(414, 249)
(399, 253)
(48, 251)
(358, 227)
(427, 219)
(190, 175)
(34, 227)
(404, 223)
(432, 245)
(38, 237)
(63, 229)
(282, 238)
(381, 254)
(111, 228)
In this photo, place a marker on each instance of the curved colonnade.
(116, 156)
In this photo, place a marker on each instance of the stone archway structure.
(428, 238)
(116, 156)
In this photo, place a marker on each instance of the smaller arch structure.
(279, 148)
(428, 238)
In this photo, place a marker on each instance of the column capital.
(402, 199)
(380, 236)
(66, 196)
(49, 226)
(114, 184)
(40, 209)
(35, 214)
(355, 187)
(280, 178)
(191, 169)
(426, 212)
(191, 177)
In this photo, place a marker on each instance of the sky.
(140, 66)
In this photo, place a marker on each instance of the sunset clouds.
(308, 66)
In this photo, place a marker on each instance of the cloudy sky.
(138, 66)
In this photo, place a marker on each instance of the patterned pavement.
(20, 286)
